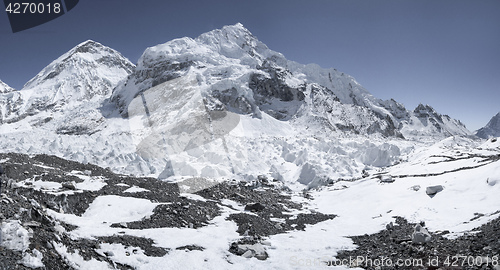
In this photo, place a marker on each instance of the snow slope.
(469, 176)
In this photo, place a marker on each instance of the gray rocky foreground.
(23, 210)
(479, 249)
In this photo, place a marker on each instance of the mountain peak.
(88, 70)
(437, 123)
(236, 29)
(492, 129)
(88, 46)
(4, 88)
(235, 34)
(423, 108)
(89, 42)
(88, 55)
(237, 25)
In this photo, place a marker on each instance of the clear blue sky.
(445, 53)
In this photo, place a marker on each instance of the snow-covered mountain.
(88, 70)
(4, 88)
(220, 106)
(492, 129)
(425, 120)
(234, 71)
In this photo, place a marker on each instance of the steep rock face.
(273, 95)
(492, 129)
(10, 100)
(89, 70)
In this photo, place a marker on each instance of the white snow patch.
(33, 260)
(104, 211)
(14, 236)
(114, 208)
(192, 196)
(135, 189)
(122, 185)
(94, 183)
(76, 261)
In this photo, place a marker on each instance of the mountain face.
(424, 120)
(236, 72)
(89, 70)
(492, 129)
(220, 106)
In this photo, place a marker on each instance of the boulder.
(386, 179)
(69, 185)
(248, 254)
(255, 250)
(420, 235)
(492, 182)
(415, 188)
(433, 190)
(256, 207)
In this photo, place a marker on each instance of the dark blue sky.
(445, 53)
